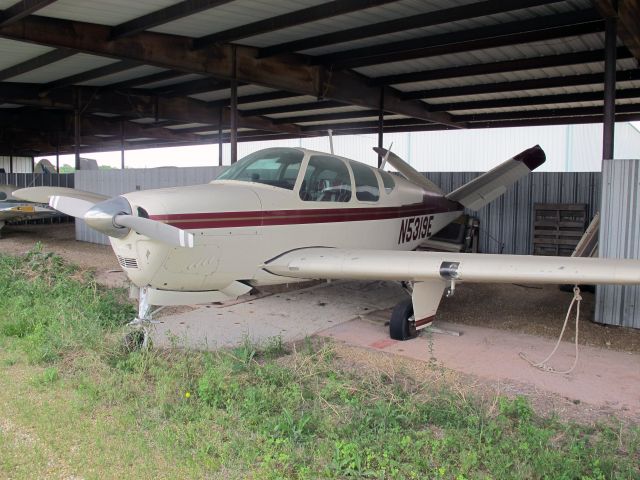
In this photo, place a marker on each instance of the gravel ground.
(532, 309)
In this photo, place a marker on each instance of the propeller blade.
(74, 207)
(156, 230)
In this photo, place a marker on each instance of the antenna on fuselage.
(384, 159)
(330, 140)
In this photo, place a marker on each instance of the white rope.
(577, 298)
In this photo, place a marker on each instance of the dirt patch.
(61, 239)
(536, 310)
(402, 369)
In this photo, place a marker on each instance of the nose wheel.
(402, 325)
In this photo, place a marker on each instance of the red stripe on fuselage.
(188, 221)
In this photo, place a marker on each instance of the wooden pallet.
(558, 227)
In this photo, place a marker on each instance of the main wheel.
(401, 325)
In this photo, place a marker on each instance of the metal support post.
(122, 144)
(381, 125)
(234, 108)
(609, 88)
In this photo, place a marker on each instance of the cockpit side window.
(387, 180)
(278, 167)
(367, 189)
(326, 180)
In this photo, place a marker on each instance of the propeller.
(113, 218)
(156, 230)
(74, 207)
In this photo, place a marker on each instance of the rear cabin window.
(367, 189)
(387, 180)
(277, 167)
(326, 180)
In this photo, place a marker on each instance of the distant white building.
(569, 148)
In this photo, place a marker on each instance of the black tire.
(400, 328)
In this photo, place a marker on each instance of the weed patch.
(255, 411)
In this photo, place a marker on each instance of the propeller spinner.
(113, 217)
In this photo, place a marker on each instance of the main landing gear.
(402, 325)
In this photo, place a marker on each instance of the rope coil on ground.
(577, 298)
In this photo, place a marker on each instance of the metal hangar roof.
(159, 72)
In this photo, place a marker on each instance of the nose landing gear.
(139, 337)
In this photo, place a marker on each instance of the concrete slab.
(603, 377)
(292, 315)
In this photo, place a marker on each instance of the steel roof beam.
(574, 58)
(532, 101)
(192, 87)
(327, 116)
(133, 105)
(173, 52)
(429, 19)
(521, 85)
(298, 107)
(628, 15)
(536, 29)
(164, 15)
(290, 19)
(21, 9)
(35, 63)
(257, 98)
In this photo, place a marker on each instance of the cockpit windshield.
(278, 167)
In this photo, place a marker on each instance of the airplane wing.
(336, 263)
(433, 272)
(21, 212)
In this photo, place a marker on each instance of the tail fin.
(408, 171)
(489, 186)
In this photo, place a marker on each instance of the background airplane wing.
(335, 263)
(25, 212)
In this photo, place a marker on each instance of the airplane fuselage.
(239, 225)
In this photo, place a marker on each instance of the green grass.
(74, 402)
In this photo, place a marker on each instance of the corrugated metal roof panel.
(104, 12)
(10, 105)
(393, 11)
(221, 94)
(164, 83)
(535, 49)
(232, 15)
(278, 102)
(13, 53)
(136, 72)
(78, 63)
(186, 125)
(585, 68)
(350, 120)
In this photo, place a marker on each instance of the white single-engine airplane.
(282, 215)
(14, 210)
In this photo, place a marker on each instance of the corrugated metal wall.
(117, 182)
(506, 223)
(620, 304)
(20, 164)
(22, 180)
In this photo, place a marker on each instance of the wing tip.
(532, 157)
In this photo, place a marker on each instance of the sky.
(206, 155)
